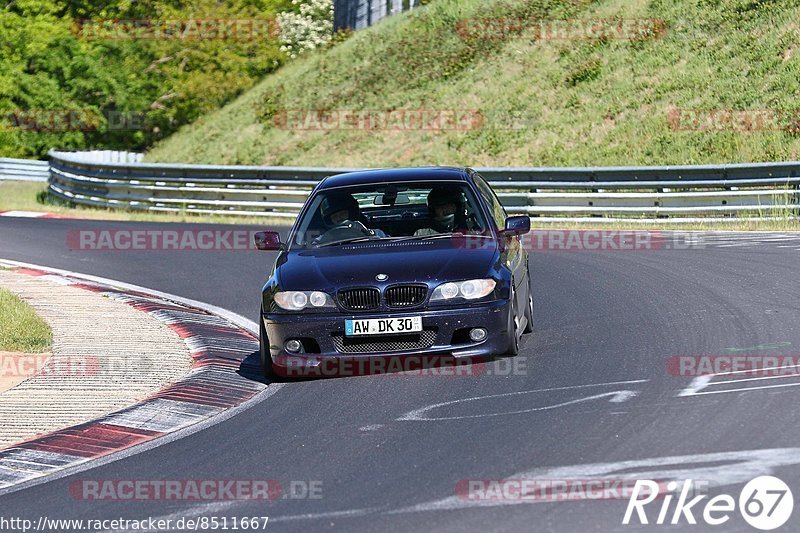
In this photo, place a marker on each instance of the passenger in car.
(446, 211)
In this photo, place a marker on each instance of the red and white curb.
(221, 380)
(29, 214)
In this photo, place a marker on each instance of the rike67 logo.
(766, 503)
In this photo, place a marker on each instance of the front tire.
(529, 310)
(263, 348)
(513, 338)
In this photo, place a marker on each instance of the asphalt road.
(605, 322)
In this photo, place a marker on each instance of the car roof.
(366, 177)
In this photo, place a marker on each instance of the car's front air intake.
(384, 344)
(401, 296)
(360, 299)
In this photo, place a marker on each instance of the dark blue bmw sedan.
(397, 263)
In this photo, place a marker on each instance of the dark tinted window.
(495, 207)
(390, 211)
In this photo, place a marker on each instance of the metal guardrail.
(110, 156)
(678, 193)
(23, 170)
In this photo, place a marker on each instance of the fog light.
(293, 346)
(477, 334)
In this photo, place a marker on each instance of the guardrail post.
(531, 202)
(796, 198)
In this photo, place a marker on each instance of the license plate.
(383, 326)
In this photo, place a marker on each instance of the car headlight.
(299, 300)
(471, 289)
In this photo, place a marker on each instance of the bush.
(130, 92)
(308, 29)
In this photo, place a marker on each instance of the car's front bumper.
(322, 334)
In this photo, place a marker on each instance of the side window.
(497, 211)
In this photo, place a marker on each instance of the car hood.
(334, 267)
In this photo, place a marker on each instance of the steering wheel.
(346, 230)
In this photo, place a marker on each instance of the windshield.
(390, 212)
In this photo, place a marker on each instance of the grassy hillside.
(545, 102)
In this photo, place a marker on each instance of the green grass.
(575, 102)
(545, 103)
(32, 196)
(21, 330)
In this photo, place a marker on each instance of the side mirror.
(268, 240)
(517, 225)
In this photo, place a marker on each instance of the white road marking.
(699, 383)
(331, 514)
(744, 380)
(216, 508)
(720, 469)
(703, 382)
(198, 511)
(616, 397)
(22, 214)
(623, 396)
(746, 389)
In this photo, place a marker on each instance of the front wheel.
(529, 310)
(263, 348)
(513, 338)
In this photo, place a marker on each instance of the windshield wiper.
(401, 239)
(351, 240)
(438, 236)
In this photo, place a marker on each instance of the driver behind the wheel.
(340, 213)
(339, 209)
